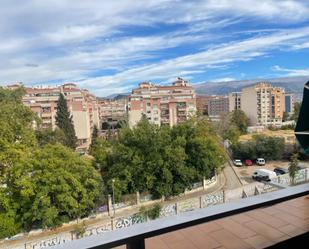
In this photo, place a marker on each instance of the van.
(263, 175)
(260, 161)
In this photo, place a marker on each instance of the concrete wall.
(249, 104)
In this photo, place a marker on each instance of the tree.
(232, 134)
(49, 136)
(297, 106)
(240, 120)
(65, 122)
(293, 167)
(94, 135)
(53, 186)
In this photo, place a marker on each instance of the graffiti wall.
(168, 210)
(129, 221)
(212, 199)
(188, 205)
(57, 240)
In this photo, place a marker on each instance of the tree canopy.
(161, 160)
(42, 183)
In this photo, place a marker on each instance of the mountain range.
(290, 84)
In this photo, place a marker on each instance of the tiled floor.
(254, 229)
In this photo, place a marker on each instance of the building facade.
(218, 105)
(162, 104)
(112, 111)
(289, 100)
(202, 102)
(263, 104)
(82, 105)
(234, 101)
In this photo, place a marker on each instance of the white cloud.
(219, 55)
(73, 40)
(225, 79)
(291, 72)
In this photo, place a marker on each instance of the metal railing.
(134, 236)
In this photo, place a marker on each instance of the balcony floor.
(258, 228)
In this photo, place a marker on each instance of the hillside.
(291, 84)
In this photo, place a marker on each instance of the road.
(231, 179)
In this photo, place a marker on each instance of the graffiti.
(188, 205)
(98, 230)
(168, 210)
(213, 199)
(102, 209)
(300, 176)
(210, 181)
(48, 242)
(120, 205)
(129, 221)
(145, 198)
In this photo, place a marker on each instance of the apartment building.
(234, 101)
(218, 105)
(202, 102)
(112, 111)
(82, 105)
(289, 101)
(162, 104)
(263, 104)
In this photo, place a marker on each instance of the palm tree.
(293, 167)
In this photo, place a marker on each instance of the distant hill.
(290, 84)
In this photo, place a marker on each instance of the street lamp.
(113, 181)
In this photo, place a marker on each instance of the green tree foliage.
(53, 186)
(285, 116)
(49, 136)
(295, 115)
(270, 148)
(94, 136)
(65, 122)
(40, 186)
(293, 167)
(240, 120)
(161, 160)
(232, 134)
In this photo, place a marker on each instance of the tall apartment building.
(113, 110)
(82, 105)
(263, 104)
(218, 105)
(289, 101)
(162, 104)
(234, 101)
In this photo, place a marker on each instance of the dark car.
(248, 162)
(281, 171)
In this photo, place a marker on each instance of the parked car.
(263, 175)
(281, 171)
(248, 162)
(260, 161)
(237, 162)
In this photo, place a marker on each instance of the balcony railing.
(134, 236)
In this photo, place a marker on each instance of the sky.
(111, 46)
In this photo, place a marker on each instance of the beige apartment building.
(162, 104)
(113, 110)
(82, 105)
(234, 101)
(218, 105)
(263, 104)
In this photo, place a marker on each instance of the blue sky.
(111, 46)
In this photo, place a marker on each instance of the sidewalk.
(102, 219)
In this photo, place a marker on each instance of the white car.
(260, 161)
(237, 162)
